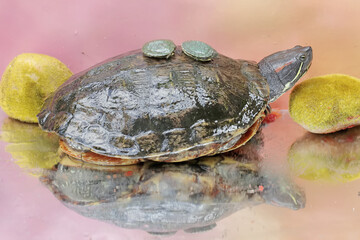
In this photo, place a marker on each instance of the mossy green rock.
(326, 104)
(27, 81)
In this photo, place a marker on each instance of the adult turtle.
(168, 103)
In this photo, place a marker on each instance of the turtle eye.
(302, 57)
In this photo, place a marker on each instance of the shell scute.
(150, 142)
(124, 145)
(175, 138)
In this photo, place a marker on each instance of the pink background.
(84, 32)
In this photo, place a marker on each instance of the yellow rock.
(326, 104)
(27, 81)
(333, 157)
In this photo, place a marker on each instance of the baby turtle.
(159, 48)
(133, 107)
(198, 50)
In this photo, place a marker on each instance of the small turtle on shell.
(167, 103)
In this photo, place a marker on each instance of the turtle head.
(283, 69)
(282, 192)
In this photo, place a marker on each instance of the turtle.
(163, 198)
(168, 104)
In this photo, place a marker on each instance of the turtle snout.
(308, 51)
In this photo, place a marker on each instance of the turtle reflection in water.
(168, 103)
(162, 198)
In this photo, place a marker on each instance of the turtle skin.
(135, 107)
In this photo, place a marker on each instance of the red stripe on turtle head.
(282, 67)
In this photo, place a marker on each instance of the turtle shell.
(137, 107)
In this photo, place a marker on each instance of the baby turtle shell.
(198, 50)
(159, 48)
